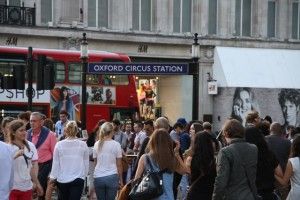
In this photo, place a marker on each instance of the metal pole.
(196, 93)
(84, 58)
(83, 94)
(30, 77)
(195, 58)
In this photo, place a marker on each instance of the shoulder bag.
(149, 186)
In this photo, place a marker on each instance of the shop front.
(265, 80)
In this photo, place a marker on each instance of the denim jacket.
(231, 181)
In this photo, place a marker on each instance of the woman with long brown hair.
(25, 163)
(162, 156)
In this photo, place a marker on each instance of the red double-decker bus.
(108, 96)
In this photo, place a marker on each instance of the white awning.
(256, 68)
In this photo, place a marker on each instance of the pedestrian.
(92, 138)
(44, 141)
(70, 164)
(5, 128)
(107, 154)
(202, 167)
(236, 165)
(267, 164)
(162, 157)
(25, 163)
(292, 172)
(6, 170)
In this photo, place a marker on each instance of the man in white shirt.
(119, 135)
(6, 170)
(60, 125)
(140, 136)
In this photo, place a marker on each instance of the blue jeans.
(106, 187)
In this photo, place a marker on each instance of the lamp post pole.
(84, 58)
(195, 58)
(30, 77)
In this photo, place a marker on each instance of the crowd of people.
(258, 159)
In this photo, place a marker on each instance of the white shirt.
(107, 158)
(295, 179)
(70, 161)
(139, 139)
(6, 170)
(22, 178)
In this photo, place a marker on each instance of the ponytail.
(105, 130)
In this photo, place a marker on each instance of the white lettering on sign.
(13, 95)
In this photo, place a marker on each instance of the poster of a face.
(283, 105)
(65, 98)
(243, 103)
(101, 95)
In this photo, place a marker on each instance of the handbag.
(149, 186)
(124, 192)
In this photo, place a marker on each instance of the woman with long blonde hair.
(70, 164)
(107, 155)
(163, 156)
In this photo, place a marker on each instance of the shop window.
(141, 16)
(182, 10)
(243, 17)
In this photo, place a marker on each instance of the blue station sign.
(139, 68)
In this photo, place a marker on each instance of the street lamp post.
(84, 59)
(195, 58)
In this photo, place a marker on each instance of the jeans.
(71, 190)
(106, 187)
(44, 171)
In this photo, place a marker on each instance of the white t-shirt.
(295, 179)
(22, 178)
(6, 170)
(106, 158)
(70, 160)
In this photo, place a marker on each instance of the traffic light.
(16, 80)
(45, 74)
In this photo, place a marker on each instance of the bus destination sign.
(139, 68)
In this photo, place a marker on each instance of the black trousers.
(44, 171)
(176, 182)
(72, 190)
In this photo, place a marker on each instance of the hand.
(19, 153)
(121, 185)
(39, 190)
(177, 147)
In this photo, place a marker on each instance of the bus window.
(7, 65)
(59, 69)
(74, 72)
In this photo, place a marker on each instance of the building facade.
(158, 31)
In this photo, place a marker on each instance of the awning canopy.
(256, 68)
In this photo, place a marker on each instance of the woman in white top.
(70, 164)
(107, 155)
(25, 163)
(292, 172)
